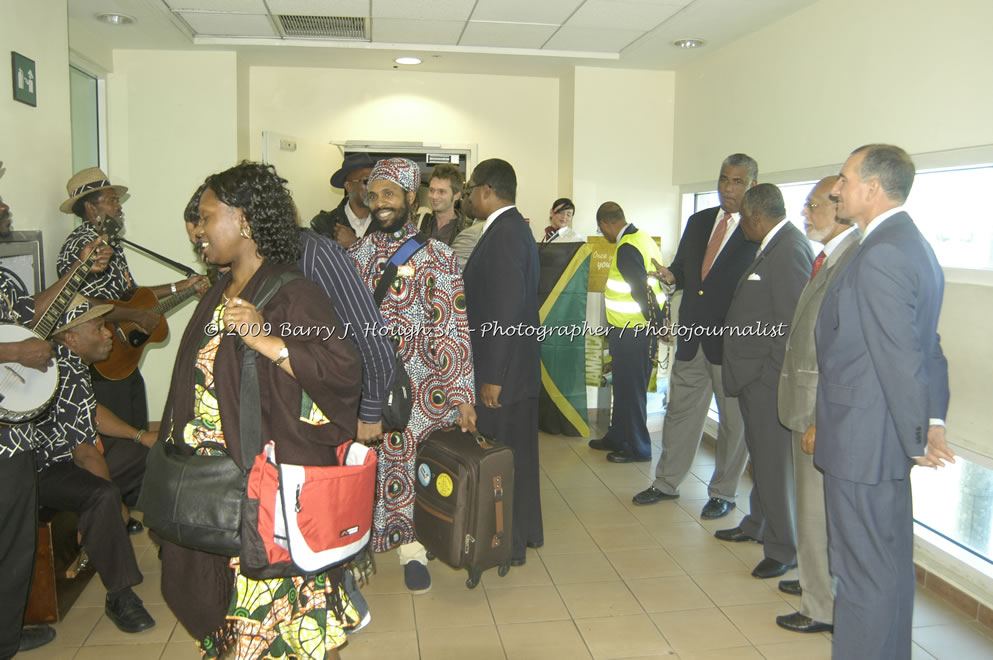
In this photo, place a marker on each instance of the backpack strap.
(408, 249)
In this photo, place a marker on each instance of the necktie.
(714, 246)
(549, 232)
(818, 262)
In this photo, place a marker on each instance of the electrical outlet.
(287, 145)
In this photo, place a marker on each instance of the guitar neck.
(61, 303)
(170, 301)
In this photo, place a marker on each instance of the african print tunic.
(15, 307)
(115, 283)
(71, 419)
(424, 310)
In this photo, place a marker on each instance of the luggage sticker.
(444, 485)
(424, 474)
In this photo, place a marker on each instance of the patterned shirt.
(71, 421)
(115, 283)
(15, 307)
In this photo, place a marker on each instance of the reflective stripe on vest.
(622, 309)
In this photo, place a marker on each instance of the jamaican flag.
(565, 272)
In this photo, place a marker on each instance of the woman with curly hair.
(309, 391)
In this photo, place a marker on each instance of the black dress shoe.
(624, 457)
(770, 568)
(652, 495)
(791, 587)
(601, 444)
(34, 636)
(532, 544)
(717, 507)
(127, 612)
(734, 535)
(802, 623)
(134, 526)
(518, 562)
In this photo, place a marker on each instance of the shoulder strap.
(403, 254)
(250, 400)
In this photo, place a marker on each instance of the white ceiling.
(534, 37)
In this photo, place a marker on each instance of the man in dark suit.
(711, 257)
(797, 397)
(755, 342)
(882, 398)
(501, 290)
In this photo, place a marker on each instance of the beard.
(400, 216)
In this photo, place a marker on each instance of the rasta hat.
(401, 171)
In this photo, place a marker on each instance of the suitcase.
(463, 501)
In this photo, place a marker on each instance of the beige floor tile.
(669, 594)
(121, 652)
(929, 610)
(698, 630)
(563, 520)
(543, 640)
(388, 578)
(377, 646)
(148, 560)
(476, 642)
(749, 553)
(732, 519)
(180, 635)
(95, 594)
(955, 642)
(526, 604)
(643, 563)
(567, 541)
(150, 590)
(544, 483)
(917, 653)
(655, 514)
(582, 567)
(705, 559)
(737, 588)
(560, 461)
(451, 608)
(50, 652)
(810, 647)
(758, 622)
(599, 599)
(105, 633)
(580, 477)
(740, 653)
(181, 651)
(617, 517)
(76, 626)
(676, 534)
(531, 574)
(390, 613)
(443, 577)
(627, 537)
(622, 637)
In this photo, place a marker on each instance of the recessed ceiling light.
(688, 43)
(116, 19)
(408, 60)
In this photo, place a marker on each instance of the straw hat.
(86, 181)
(80, 311)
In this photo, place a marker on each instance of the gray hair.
(765, 199)
(743, 160)
(892, 166)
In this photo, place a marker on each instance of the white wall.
(172, 121)
(35, 142)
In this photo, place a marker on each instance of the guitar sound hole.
(136, 338)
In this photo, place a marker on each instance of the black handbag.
(196, 501)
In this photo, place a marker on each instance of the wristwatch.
(283, 354)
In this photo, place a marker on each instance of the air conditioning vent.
(324, 27)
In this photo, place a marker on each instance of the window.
(956, 502)
(83, 101)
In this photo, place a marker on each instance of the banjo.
(26, 392)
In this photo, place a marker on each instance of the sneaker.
(127, 612)
(34, 636)
(358, 602)
(416, 577)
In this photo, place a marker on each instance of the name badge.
(405, 271)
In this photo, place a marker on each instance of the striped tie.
(818, 262)
(714, 246)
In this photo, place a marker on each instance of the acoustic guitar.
(129, 340)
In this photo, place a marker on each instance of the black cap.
(352, 162)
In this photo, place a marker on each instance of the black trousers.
(18, 540)
(67, 487)
(516, 425)
(632, 370)
(125, 398)
(126, 460)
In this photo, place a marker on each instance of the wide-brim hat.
(352, 162)
(86, 181)
(80, 311)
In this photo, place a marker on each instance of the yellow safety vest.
(622, 309)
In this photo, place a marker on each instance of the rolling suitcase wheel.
(474, 575)
(503, 570)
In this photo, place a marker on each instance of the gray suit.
(765, 299)
(797, 398)
(882, 376)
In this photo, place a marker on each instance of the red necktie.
(714, 246)
(818, 262)
(549, 231)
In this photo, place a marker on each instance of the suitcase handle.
(498, 504)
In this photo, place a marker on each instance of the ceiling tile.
(525, 11)
(232, 25)
(249, 6)
(319, 7)
(591, 39)
(506, 35)
(621, 15)
(425, 10)
(393, 30)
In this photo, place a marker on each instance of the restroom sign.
(24, 79)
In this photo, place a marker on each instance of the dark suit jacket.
(765, 297)
(882, 371)
(706, 303)
(501, 290)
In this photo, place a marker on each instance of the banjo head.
(24, 392)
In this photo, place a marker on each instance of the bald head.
(610, 220)
(820, 213)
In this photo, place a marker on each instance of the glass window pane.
(957, 503)
(85, 127)
(945, 208)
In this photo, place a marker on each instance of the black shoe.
(717, 507)
(733, 535)
(652, 495)
(127, 612)
(791, 587)
(34, 636)
(601, 444)
(622, 456)
(802, 623)
(770, 568)
(416, 577)
(134, 527)
(518, 562)
(532, 544)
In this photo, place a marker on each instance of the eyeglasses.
(467, 188)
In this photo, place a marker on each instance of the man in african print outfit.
(424, 310)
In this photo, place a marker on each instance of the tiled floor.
(612, 581)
